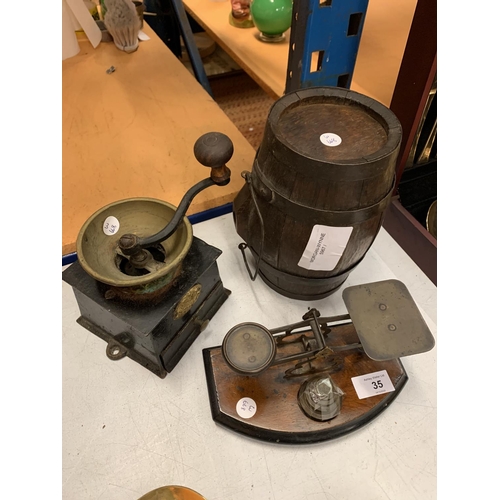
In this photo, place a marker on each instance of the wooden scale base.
(383, 324)
(279, 418)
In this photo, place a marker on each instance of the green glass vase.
(272, 18)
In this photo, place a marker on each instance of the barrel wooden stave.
(280, 227)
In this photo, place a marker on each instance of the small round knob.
(312, 313)
(214, 150)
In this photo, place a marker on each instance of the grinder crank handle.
(212, 150)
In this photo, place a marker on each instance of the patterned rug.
(244, 102)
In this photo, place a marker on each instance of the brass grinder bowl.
(97, 251)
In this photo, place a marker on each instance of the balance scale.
(322, 377)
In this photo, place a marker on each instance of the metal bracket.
(192, 49)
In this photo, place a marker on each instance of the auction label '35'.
(372, 384)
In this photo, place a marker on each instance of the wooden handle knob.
(214, 150)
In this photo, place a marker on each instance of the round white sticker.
(330, 139)
(111, 225)
(246, 407)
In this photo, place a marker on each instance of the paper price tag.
(372, 384)
(325, 247)
(111, 225)
(330, 140)
(246, 407)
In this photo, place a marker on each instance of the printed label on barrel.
(325, 247)
(330, 139)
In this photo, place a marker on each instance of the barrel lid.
(333, 125)
(331, 131)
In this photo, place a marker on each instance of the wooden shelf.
(382, 46)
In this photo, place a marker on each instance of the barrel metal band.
(299, 280)
(328, 217)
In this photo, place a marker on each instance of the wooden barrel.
(320, 183)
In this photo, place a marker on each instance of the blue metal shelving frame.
(324, 42)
